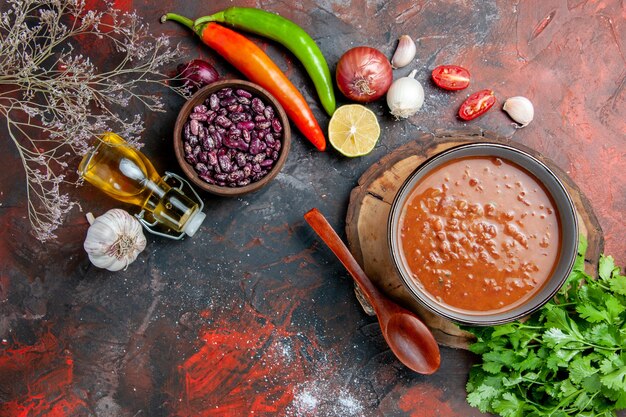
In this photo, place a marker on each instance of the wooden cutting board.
(370, 203)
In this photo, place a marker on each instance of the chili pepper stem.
(216, 17)
(185, 21)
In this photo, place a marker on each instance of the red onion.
(363, 74)
(197, 73)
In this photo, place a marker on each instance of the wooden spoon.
(407, 336)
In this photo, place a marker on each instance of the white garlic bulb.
(405, 96)
(114, 240)
(519, 109)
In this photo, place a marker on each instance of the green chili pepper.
(290, 35)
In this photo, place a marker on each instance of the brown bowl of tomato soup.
(483, 234)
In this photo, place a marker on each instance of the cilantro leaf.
(618, 284)
(580, 368)
(610, 363)
(592, 314)
(557, 338)
(532, 362)
(592, 383)
(509, 405)
(492, 367)
(505, 329)
(567, 388)
(554, 363)
(558, 317)
(582, 401)
(513, 379)
(606, 267)
(479, 347)
(615, 380)
(482, 396)
(603, 335)
(500, 357)
(620, 404)
(614, 308)
(559, 358)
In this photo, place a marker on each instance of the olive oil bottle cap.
(194, 222)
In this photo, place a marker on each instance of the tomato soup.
(480, 234)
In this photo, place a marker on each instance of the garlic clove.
(519, 109)
(405, 52)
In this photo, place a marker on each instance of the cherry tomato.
(451, 77)
(477, 104)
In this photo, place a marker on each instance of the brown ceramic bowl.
(199, 98)
(565, 254)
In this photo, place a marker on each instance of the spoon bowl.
(407, 336)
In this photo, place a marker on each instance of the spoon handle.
(320, 225)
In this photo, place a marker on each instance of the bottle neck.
(127, 175)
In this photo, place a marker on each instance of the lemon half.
(353, 130)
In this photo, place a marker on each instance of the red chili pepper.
(252, 62)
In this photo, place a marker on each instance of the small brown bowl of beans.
(231, 137)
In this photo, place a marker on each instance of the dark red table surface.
(254, 316)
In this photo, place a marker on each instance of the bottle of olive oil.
(127, 175)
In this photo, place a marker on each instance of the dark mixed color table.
(253, 315)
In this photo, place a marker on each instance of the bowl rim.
(567, 254)
(198, 98)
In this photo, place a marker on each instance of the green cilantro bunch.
(567, 359)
